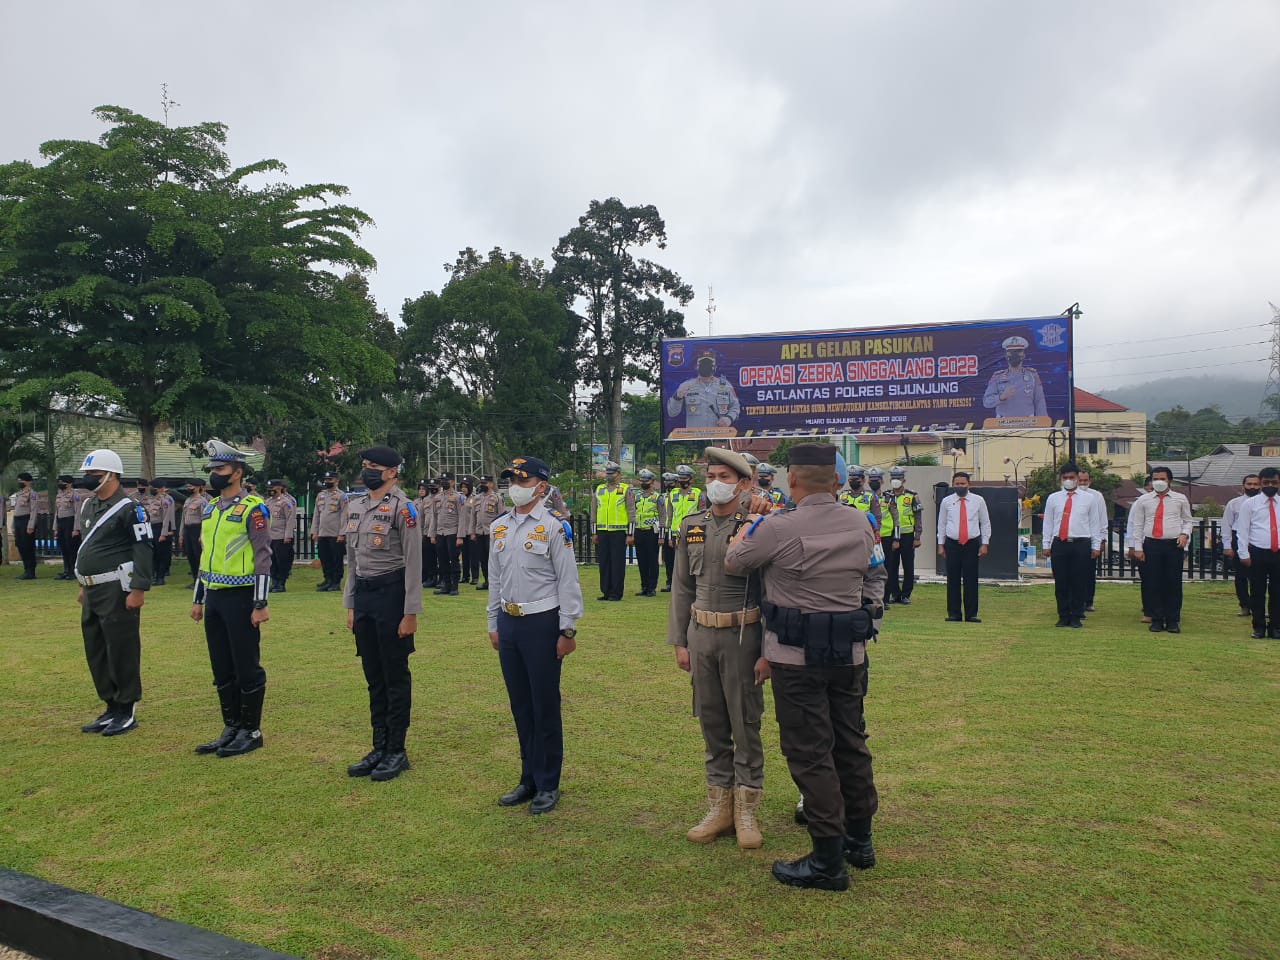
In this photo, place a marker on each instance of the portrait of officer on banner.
(1016, 391)
(708, 401)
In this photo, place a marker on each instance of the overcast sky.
(821, 165)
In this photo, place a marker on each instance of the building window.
(958, 443)
(1087, 447)
(1118, 446)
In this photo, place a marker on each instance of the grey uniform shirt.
(329, 516)
(816, 559)
(485, 508)
(126, 536)
(530, 559)
(384, 536)
(447, 514)
(705, 402)
(700, 579)
(26, 507)
(68, 505)
(284, 511)
(1027, 399)
(193, 509)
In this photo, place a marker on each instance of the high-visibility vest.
(680, 504)
(611, 506)
(906, 502)
(646, 511)
(226, 555)
(862, 501)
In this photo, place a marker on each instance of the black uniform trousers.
(466, 559)
(281, 559)
(822, 733)
(25, 542)
(164, 551)
(1070, 561)
(669, 557)
(1264, 587)
(191, 544)
(647, 559)
(1091, 582)
(447, 558)
(68, 543)
(480, 556)
(1144, 582)
(1241, 575)
(613, 562)
(961, 561)
(430, 563)
(112, 645)
(1164, 574)
(234, 642)
(332, 554)
(531, 671)
(903, 554)
(384, 654)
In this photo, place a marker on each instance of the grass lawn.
(1103, 792)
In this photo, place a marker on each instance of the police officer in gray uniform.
(327, 521)
(707, 400)
(535, 602)
(1015, 391)
(486, 505)
(383, 597)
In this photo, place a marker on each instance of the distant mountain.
(1235, 398)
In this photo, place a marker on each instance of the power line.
(1180, 336)
(1180, 353)
(1167, 371)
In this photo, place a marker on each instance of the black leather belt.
(382, 580)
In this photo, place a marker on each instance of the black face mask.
(372, 479)
(88, 482)
(765, 482)
(684, 482)
(152, 491)
(331, 484)
(219, 481)
(445, 486)
(646, 484)
(855, 484)
(1252, 493)
(960, 491)
(1269, 491)
(875, 484)
(484, 488)
(706, 368)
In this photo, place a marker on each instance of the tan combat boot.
(719, 818)
(746, 802)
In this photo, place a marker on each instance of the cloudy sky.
(820, 165)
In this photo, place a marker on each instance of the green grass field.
(1103, 792)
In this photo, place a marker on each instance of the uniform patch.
(260, 519)
(695, 534)
(410, 515)
(528, 545)
(377, 540)
(376, 527)
(239, 509)
(500, 532)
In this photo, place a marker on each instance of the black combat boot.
(858, 852)
(229, 700)
(324, 587)
(394, 762)
(249, 736)
(362, 768)
(823, 869)
(453, 590)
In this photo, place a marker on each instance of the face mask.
(960, 491)
(331, 484)
(684, 482)
(1268, 491)
(1068, 485)
(484, 488)
(896, 484)
(1159, 486)
(446, 485)
(875, 484)
(91, 481)
(766, 481)
(646, 484)
(856, 483)
(1252, 493)
(719, 492)
(219, 481)
(372, 479)
(706, 368)
(522, 496)
(152, 491)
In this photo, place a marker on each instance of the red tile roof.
(1087, 402)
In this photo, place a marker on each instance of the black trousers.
(904, 554)
(164, 551)
(281, 560)
(1164, 575)
(647, 558)
(384, 654)
(531, 671)
(465, 558)
(1264, 586)
(430, 562)
(613, 562)
(332, 554)
(191, 544)
(25, 542)
(822, 733)
(480, 556)
(962, 576)
(1091, 581)
(1241, 576)
(1144, 582)
(669, 559)
(112, 645)
(447, 558)
(234, 643)
(68, 542)
(1070, 561)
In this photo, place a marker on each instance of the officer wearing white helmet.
(1015, 391)
(650, 519)
(680, 499)
(765, 474)
(113, 568)
(613, 527)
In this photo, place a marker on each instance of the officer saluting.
(535, 601)
(822, 595)
(231, 599)
(1015, 391)
(383, 597)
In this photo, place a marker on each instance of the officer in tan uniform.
(327, 520)
(25, 513)
(425, 502)
(383, 597)
(822, 596)
(67, 516)
(714, 625)
(284, 512)
(445, 532)
(192, 517)
(486, 506)
(164, 527)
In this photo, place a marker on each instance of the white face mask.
(1159, 486)
(522, 496)
(719, 492)
(1068, 485)
(896, 484)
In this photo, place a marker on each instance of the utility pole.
(711, 312)
(1270, 407)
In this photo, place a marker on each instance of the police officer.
(486, 505)
(708, 400)
(1250, 486)
(25, 512)
(328, 518)
(445, 533)
(535, 602)
(192, 517)
(903, 525)
(823, 595)
(765, 474)
(1084, 484)
(554, 501)
(1163, 519)
(1258, 539)
(284, 511)
(67, 515)
(681, 499)
(714, 625)
(964, 530)
(113, 567)
(1071, 539)
(650, 520)
(859, 497)
(1015, 391)
(383, 597)
(427, 490)
(163, 517)
(231, 599)
(467, 562)
(613, 528)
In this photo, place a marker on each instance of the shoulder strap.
(101, 521)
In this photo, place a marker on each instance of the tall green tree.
(624, 299)
(195, 289)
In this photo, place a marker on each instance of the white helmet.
(107, 460)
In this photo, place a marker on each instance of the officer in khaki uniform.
(425, 502)
(383, 597)
(67, 516)
(823, 594)
(284, 513)
(26, 511)
(327, 521)
(714, 625)
(164, 527)
(445, 532)
(486, 506)
(192, 517)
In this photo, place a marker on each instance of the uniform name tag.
(695, 535)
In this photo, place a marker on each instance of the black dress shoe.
(544, 801)
(392, 765)
(905, 601)
(322, 587)
(972, 619)
(246, 741)
(1259, 634)
(221, 740)
(1063, 622)
(1077, 623)
(642, 593)
(953, 619)
(26, 576)
(523, 793)
(483, 586)
(453, 591)
(1172, 627)
(602, 597)
(440, 590)
(366, 765)
(122, 722)
(823, 869)
(1156, 626)
(667, 588)
(1275, 633)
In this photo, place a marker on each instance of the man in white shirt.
(1071, 538)
(1252, 487)
(1132, 541)
(964, 530)
(1084, 484)
(1259, 539)
(1162, 522)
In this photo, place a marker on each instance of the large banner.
(984, 375)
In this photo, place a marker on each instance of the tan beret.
(734, 461)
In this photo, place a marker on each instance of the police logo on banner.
(675, 354)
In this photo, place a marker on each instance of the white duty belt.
(122, 575)
(525, 609)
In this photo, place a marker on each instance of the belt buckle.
(512, 609)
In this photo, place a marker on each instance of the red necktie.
(1066, 517)
(1157, 525)
(964, 524)
(1275, 542)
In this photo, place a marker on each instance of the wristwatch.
(568, 632)
(259, 604)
